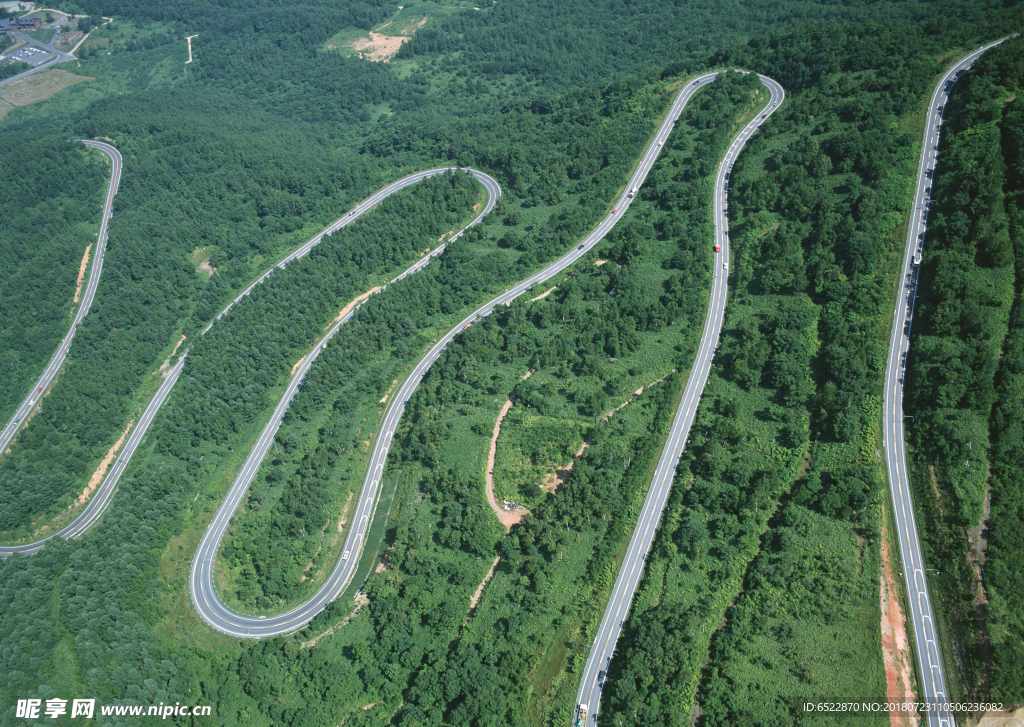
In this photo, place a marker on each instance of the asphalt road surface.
(40, 386)
(101, 496)
(615, 614)
(204, 597)
(933, 681)
(58, 57)
(201, 586)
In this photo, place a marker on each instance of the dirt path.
(355, 301)
(81, 271)
(361, 600)
(976, 535)
(344, 312)
(505, 517)
(480, 590)
(86, 36)
(895, 648)
(636, 393)
(189, 39)
(545, 294)
(554, 481)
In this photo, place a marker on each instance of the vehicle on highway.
(718, 248)
(614, 211)
(725, 266)
(581, 716)
(466, 326)
(40, 389)
(578, 248)
(345, 556)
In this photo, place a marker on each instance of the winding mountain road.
(100, 498)
(221, 618)
(926, 642)
(601, 651)
(40, 386)
(204, 596)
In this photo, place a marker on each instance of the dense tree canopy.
(264, 139)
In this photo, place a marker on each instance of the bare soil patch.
(378, 47)
(361, 600)
(189, 39)
(545, 294)
(344, 513)
(554, 481)
(81, 272)
(508, 518)
(895, 647)
(39, 86)
(201, 259)
(101, 471)
(167, 363)
(600, 262)
(355, 301)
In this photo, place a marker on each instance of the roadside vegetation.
(264, 139)
(277, 546)
(771, 547)
(51, 208)
(964, 376)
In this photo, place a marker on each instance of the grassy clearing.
(383, 41)
(39, 86)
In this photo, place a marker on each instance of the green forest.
(964, 383)
(762, 589)
(51, 214)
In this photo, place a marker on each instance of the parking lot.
(32, 56)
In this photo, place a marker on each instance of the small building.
(10, 25)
